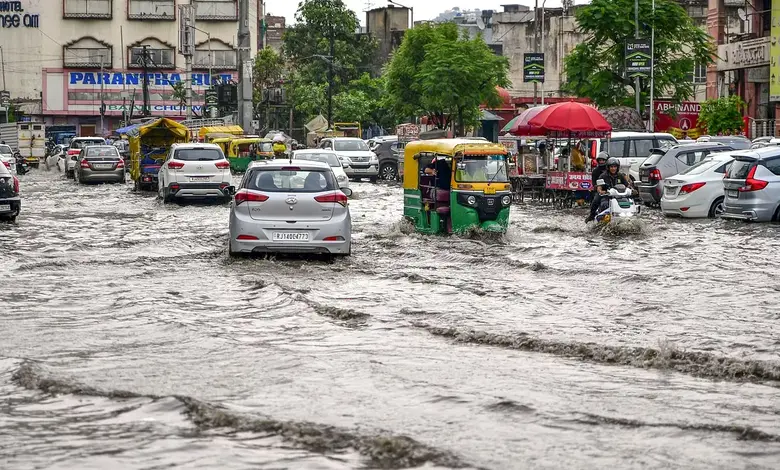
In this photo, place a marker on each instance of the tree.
(438, 73)
(595, 68)
(267, 71)
(722, 115)
(179, 94)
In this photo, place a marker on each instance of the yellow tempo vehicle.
(149, 145)
(455, 185)
(207, 134)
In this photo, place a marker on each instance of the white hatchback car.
(326, 156)
(698, 190)
(195, 171)
(7, 158)
(283, 207)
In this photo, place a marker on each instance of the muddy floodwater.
(129, 340)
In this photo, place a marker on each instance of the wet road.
(128, 339)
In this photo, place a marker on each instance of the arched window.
(223, 56)
(160, 55)
(87, 52)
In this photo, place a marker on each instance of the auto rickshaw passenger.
(441, 168)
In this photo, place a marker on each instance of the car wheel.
(78, 177)
(388, 172)
(716, 209)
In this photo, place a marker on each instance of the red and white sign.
(681, 118)
(570, 181)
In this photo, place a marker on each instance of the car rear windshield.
(666, 144)
(328, 158)
(350, 146)
(80, 144)
(102, 152)
(198, 155)
(301, 181)
(700, 167)
(655, 157)
(740, 168)
(5, 149)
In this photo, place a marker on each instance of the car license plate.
(359, 170)
(199, 178)
(291, 236)
(644, 179)
(670, 191)
(103, 166)
(490, 190)
(5, 208)
(733, 193)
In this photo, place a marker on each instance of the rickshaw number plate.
(490, 190)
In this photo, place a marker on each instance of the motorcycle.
(617, 204)
(22, 167)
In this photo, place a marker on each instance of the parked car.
(7, 157)
(326, 156)
(75, 149)
(10, 202)
(124, 150)
(374, 142)
(195, 171)
(633, 148)
(752, 185)
(57, 152)
(387, 152)
(661, 165)
(100, 164)
(737, 142)
(359, 162)
(697, 191)
(290, 208)
(764, 139)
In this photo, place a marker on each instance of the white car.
(53, 160)
(7, 157)
(697, 191)
(358, 160)
(325, 156)
(74, 149)
(195, 171)
(283, 207)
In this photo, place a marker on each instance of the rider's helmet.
(613, 162)
(602, 158)
(279, 145)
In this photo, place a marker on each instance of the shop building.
(71, 59)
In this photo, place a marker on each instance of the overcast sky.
(423, 9)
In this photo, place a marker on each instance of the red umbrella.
(571, 119)
(520, 125)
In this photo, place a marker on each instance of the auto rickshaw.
(241, 151)
(479, 195)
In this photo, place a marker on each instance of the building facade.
(273, 36)
(67, 57)
(387, 25)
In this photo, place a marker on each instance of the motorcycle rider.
(279, 146)
(601, 166)
(609, 178)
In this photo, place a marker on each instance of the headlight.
(471, 200)
(341, 177)
(506, 200)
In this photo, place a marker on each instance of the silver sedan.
(100, 164)
(283, 207)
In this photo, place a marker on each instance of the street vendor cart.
(149, 145)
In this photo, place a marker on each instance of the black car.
(10, 202)
(388, 151)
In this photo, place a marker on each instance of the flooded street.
(129, 339)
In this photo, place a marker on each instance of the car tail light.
(174, 187)
(689, 188)
(16, 185)
(338, 197)
(247, 196)
(333, 239)
(84, 163)
(655, 175)
(7, 165)
(291, 168)
(751, 183)
(222, 165)
(120, 163)
(246, 237)
(174, 165)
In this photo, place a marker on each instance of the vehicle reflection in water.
(551, 344)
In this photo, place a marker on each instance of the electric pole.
(145, 62)
(102, 100)
(536, 44)
(186, 46)
(330, 78)
(636, 35)
(245, 110)
(2, 62)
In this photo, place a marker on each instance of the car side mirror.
(347, 192)
(231, 190)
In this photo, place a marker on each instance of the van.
(633, 148)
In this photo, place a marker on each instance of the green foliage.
(308, 99)
(722, 115)
(596, 67)
(179, 92)
(438, 73)
(268, 68)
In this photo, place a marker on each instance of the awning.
(123, 130)
(488, 116)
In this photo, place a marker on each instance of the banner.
(681, 121)
(569, 181)
(533, 67)
(774, 52)
(639, 61)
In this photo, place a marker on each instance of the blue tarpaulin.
(125, 129)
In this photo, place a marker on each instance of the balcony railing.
(219, 10)
(158, 59)
(151, 10)
(86, 57)
(221, 60)
(100, 9)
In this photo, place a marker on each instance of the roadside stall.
(149, 145)
(530, 161)
(406, 133)
(571, 124)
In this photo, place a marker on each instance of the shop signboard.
(681, 120)
(743, 54)
(774, 52)
(639, 61)
(533, 67)
(407, 132)
(569, 181)
(509, 143)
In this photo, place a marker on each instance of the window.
(329, 158)
(87, 52)
(87, 9)
(356, 145)
(482, 169)
(222, 56)
(692, 158)
(304, 181)
(151, 9)
(665, 144)
(198, 155)
(217, 10)
(740, 168)
(642, 147)
(773, 166)
(722, 169)
(617, 148)
(156, 58)
(699, 74)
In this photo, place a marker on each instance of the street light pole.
(2, 62)
(652, 72)
(102, 95)
(636, 35)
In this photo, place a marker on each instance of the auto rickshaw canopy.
(229, 130)
(443, 147)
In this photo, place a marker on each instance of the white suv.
(358, 160)
(195, 171)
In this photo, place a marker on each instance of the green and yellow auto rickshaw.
(241, 151)
(455, 185)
